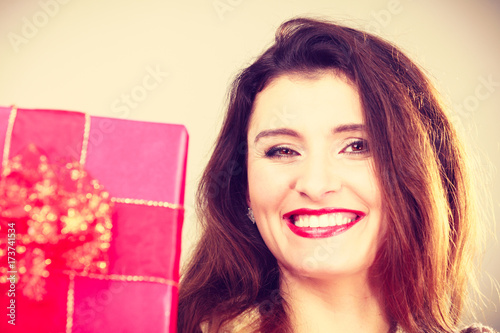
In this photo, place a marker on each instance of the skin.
(308, 149)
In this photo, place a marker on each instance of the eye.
(356, 146)
(281, 152)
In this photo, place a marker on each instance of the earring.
(250, 215)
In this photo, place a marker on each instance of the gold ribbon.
(8, 135)
(61, 217)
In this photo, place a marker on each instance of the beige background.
(87, 55)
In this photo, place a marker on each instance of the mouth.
(322, 223)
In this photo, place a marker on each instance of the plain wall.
(88, 55)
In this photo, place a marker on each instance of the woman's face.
(311, 181)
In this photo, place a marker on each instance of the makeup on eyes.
(351, 146)
(359, 147)
(281, 151)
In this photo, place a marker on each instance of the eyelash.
(274, 152)
(357, 142)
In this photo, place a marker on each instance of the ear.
(247, 196)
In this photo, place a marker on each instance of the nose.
(316, 177)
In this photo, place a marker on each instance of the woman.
(336, 199)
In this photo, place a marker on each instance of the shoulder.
(477, 328)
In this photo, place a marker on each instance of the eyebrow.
(276, 132)
(349, 128)
(289, 132)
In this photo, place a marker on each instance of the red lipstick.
(321, 232)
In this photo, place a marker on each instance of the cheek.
(369, 191)
(365, 185)
(364, 182)
(266, 186)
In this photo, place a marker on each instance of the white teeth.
(324, 220)
(332, 220)
(314, 221)
(302, 221)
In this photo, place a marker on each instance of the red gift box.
(114, 269)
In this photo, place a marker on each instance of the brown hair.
(424, 263)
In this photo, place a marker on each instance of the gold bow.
(52, 218)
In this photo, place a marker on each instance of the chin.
(317, 267)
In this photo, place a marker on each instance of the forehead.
(323, 99)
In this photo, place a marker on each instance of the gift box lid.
(151, 157)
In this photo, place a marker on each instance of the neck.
(344, 304)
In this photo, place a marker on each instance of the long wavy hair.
(425, 262)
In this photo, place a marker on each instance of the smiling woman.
(315, 178)
(350, 215)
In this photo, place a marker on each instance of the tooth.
(314, 221)
(346, 220)
(341, 220)
(331, 220)
(298, 221)
(304, 221)
(323, 220)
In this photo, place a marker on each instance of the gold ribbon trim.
(70, 305)
(85, 141)
(8, 135)
(125, 278)
(149, 203)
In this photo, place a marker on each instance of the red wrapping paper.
(140, 161)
